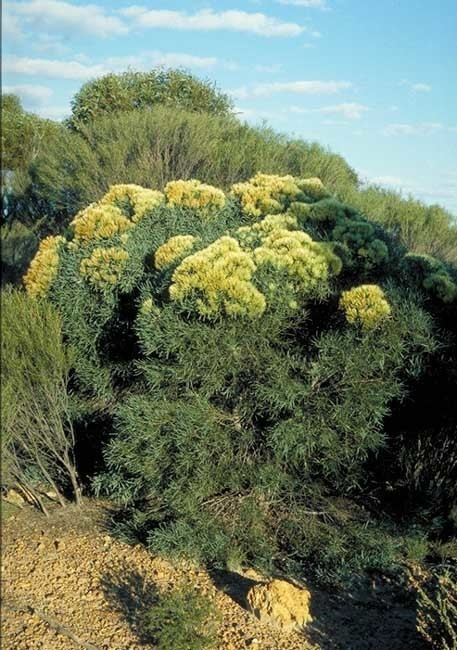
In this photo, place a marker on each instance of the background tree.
(131, 90)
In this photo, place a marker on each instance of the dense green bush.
(37, 431)
(127, 91)
(423, 229)
(249, 349)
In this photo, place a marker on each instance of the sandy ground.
(70, 570)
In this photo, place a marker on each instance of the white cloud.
(82, 68)
(209, 20)
(296, 87)
(49, 44)
(311, 4)
(52, 68)
(421, 88)
(69, 18)
(424, 128)
(32, 95)
(350, 111)
(418, 87)
(158, 58)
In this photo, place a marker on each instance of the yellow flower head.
(250, 236)
(266, 194)
(99, 222)
(219, 279)
(140, 198)
(44, 266)
(104, 267)
(295, 252)
(172, 250)
(365, 305)
(193, 194)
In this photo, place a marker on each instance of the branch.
(58, 627)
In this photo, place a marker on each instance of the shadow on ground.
(131, 595)
(375, 616)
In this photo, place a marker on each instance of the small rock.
(280, 603)
(13, 497)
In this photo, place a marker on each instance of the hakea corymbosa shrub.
(226, 337)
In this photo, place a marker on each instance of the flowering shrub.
(104, 267)
(44, 266)
(208, 339)
(99, 222)
(220, 278)
(266, 194)
(140, 199)
(365, 305)
(172, 250)
(195, 195)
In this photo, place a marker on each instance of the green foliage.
(437, 608)
(433, 275)
(23, 135)
(182, 619)
(19, 243)
(132, 90)
(37, 434)
(422, 229)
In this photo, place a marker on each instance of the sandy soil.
(69, 569)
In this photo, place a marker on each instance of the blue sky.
(374, 81)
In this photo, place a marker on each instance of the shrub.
(422, 229)
(37, 432)
(216, 344)
(130, 90)
(182, 619)
(437, 608)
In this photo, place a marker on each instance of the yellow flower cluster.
(219, 277)
(265, 194)
(98, 222)
(104, 267)
(196, 195)
(365, 305)
(140, 198)
(250, 236)
(172, 250)
(44, 266)
(296, 253)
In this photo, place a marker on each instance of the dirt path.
(73, 572)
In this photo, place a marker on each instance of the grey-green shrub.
(230, 427)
